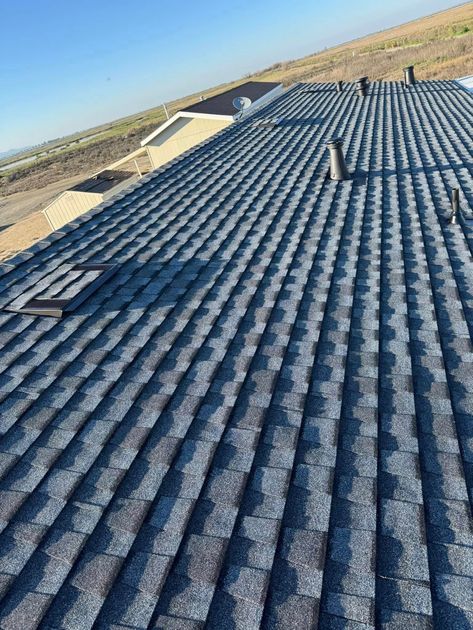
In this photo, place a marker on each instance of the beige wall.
(182, 135)
(73, 203)
(69, 206)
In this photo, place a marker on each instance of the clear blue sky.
(66, 66)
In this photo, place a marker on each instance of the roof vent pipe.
(409, 77)
(338, 167)
(339, 86)
(455, 205)
(361, 86)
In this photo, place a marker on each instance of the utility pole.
(166, 111)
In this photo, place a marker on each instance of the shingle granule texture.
(265, 418)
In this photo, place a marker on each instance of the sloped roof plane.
(264, 417)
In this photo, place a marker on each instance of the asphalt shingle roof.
(265, 418)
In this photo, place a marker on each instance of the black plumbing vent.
(62, 291)
(338, 170)
(361, 86)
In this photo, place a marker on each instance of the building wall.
(72, 203)
(184, 134)
(69, 206)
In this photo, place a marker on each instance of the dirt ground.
(83, 161)
(16, 207)
(22, 235)
(21, 224)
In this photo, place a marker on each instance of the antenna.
(241, 103)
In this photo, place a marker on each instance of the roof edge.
(276, 91)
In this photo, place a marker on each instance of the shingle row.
(264, 417)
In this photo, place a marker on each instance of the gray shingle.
(64, 545)
(25, 611)
(240, 613)
(146, 572)
(183, 597)
(294, 612)
(95, 573)
(73, 609)
(246, 583)
(350, 607)
(265, 416)
(126, 607)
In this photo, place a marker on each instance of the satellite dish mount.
(240, 103)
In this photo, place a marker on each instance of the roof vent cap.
(361, 85)
(455, 202)
(409, 77)
(338, 167)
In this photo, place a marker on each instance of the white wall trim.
(177, 116)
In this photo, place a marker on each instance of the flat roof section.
(102, 182)
(222, 104)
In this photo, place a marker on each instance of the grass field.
(440, 46)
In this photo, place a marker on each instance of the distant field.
(440, 46)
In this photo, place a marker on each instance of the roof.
(222, 104)
(102, 182)
(467, 83)
(265, 415)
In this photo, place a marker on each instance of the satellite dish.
(241, 103)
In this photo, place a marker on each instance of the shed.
(86, 195)
(204, 119)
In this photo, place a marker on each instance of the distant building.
(204, 119)
(86, 195)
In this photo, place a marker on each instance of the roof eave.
(181, 114)
(276, 91)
